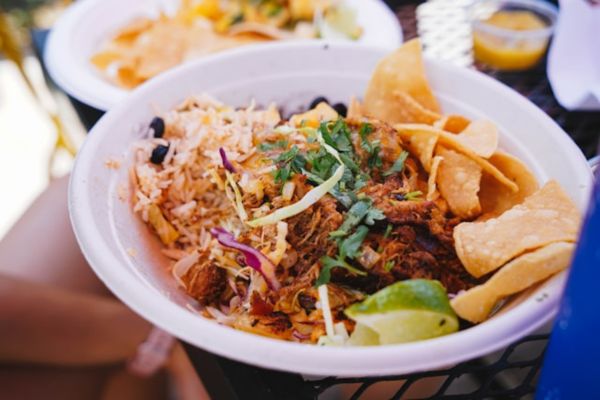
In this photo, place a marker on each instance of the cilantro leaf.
(282, 174)
(388, 231)
(349, 247)
(374, 214)
(328, 263)
(398, 165)
(353, 217)
(268, 146)
(337, 135)
(289, 162)
(389, 265)
(372, 148)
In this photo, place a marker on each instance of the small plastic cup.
(511, 48)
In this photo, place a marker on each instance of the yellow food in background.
(516, 20)
(508, 53)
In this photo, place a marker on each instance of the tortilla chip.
(421, 145)
(476, 304)
(130, 32)
(480, 136)
(355, 109)
(432, 192)
(398, 90)
(160, 48)
(127, 77)
(103, 59)
(449, 140)
(545, 217)
(440, 123)
(322, 112)
(458, 180)
(495, 198)
(455, 123)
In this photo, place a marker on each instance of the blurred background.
(38, 128)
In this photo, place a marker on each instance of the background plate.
(87, 24)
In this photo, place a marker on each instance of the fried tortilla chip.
(495, 198)
(355, 109)
(432, 192)
(399, 91)
(130, 32)
(104, 59)
(480, 136)
(476, 304)
(422, 145)
(545, 217)
(455, 123)
(449, 140)
(458, 180)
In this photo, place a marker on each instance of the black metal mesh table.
(506, 375)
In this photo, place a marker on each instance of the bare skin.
(62, 335)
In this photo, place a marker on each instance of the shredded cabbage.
(239, 206)
(254, 258)
(181, 267)
(336, 334)
(324, 299)
(309, 198)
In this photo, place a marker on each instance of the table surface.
(440, 28)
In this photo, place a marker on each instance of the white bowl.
(292, 75)
(87, 24)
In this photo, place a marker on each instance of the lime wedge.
(363, 336)
(403, 312)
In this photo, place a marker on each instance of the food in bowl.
(386, 225)
(147, 46)
(511, 34)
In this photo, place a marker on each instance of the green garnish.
(269, 146)
(349, 247)
(389, 265)
(411, 196)
(328, 263)
(388, 231)
(337, 135)
(360, 210)
(398, 164)
(237, 18)
(372, 148)
(289, 163)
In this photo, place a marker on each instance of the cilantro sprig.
(398, 165)
(372, 148)
(361, 210)
(288, 163)
(269, 146)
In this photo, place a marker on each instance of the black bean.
(341, 109)
(158, 127)
(158, 154)
(316, 102)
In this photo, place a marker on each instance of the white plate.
(292, 75)
(87, 24)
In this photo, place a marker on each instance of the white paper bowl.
(292, 75)
(87, 24)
